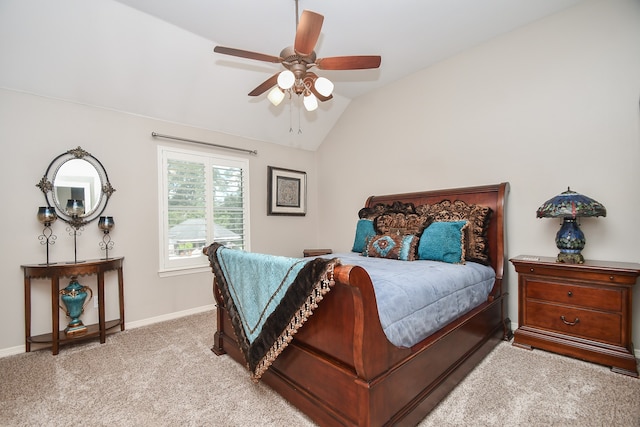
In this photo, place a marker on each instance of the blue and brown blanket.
(268, 298)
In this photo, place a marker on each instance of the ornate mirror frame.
(52, 193)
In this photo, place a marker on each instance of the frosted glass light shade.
(323, 86)
(310, 102)
(286, 79)
(276, 95)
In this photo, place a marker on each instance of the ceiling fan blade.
(349, 62)
(264, 86)
(247, 54)
(312, 77)
(308, 32)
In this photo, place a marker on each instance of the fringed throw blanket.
(268, 298)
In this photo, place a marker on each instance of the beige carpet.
(165, 375)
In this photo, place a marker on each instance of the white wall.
(551, 105)
(35, 129)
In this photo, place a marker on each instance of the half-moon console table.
(61, 270)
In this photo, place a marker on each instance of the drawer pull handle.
(575, 322)
(569, 294)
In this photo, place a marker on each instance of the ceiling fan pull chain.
(290, 116)
(299, 126)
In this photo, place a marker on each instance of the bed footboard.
(341, 370)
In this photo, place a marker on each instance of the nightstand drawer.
(595, 325)
(582, 272)
(576, 295)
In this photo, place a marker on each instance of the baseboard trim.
(11, 351)
(169, 316)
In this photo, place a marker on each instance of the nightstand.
(316, 252)
(578, 310)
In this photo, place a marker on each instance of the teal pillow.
(364, 230)
(443, 241)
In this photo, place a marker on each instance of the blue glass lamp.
(569, 206)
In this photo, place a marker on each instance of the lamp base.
(570, 240)
(568, 258)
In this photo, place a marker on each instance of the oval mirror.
(77, 186)
(77, 179)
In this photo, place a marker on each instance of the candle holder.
(47, 216)
(106, 223)
(75, 208)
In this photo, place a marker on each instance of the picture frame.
(286, 192)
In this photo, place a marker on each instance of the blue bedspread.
(257, 283)
(422, 296)
(268, 298)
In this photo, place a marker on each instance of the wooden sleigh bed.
(340, 368)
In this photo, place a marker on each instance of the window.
(204, 198)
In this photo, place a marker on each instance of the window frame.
(167, 266)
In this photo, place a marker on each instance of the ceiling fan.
(298, 60)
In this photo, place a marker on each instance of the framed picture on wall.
(286, 191)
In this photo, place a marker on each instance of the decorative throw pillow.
(476, 246)
(400, 223)
(392, 246)
(364, 230)
(381, 208)
(443, 241)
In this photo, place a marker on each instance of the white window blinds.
(204, 198)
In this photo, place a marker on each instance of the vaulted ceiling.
(155, 58)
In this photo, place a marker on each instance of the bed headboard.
(492, 196)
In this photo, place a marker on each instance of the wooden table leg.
(121, 296)
(55, 315)
(101, 326)
(27, 313)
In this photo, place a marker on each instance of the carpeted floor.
(165, 375)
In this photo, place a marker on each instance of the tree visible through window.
(205, 199)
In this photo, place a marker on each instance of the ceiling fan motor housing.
(290, 57)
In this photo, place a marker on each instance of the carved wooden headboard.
(493, 196)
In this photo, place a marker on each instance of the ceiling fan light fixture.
(295, 78)
(310, 102)
(286, 79)
(276, 95)
(323, 86)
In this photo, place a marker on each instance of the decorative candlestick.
(47, 216)
(75, 208)
(105, 224)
